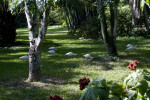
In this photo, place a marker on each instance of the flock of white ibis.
(52, 51)
(88, 56)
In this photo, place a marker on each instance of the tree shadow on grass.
(30, 92)
(17, 43)
(48, 86)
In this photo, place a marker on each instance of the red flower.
(56, 97)
(83, 82)
(133, 65)
(126, 90)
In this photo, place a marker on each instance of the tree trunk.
(109, 39)
(72, 20)
(115, 30)
(136, 11)
(146, 17)
(66, 19)
(36, 39)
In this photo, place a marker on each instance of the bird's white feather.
(24, 57)
(70, 54)
(52, 52)
(88, 56)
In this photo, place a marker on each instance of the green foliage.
(90, 93)
(55, 66)
(96, 90)
(7, 24)
(136, 88)
(106, 57)
(21, 21)
(146, 75)
(143, 2)
(124, 20)
(99, 89)
(116, 90)
(137, 85)
(56, 16)
(139, 32)
(90, 28)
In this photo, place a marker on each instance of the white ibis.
(128, 45)
(131, 47)
(24, 57)
(70, 54)
(52, 52)
(88, 56)
(81, 38)
(52, 48)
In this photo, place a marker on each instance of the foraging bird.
(81, 38)
(70, 54)
(52, 52)
(52, 48)
(88, 56)
(24, 57)
(131, 47)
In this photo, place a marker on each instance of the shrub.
(124, 20)
(139, 32)
(135, 87)
(7, 24)
(90, 28)
(21, 21)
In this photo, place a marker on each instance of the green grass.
(61, 72)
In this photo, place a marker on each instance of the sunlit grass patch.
(64, 72)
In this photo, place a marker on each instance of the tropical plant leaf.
(142, 86)
(114, 98)
(146, 75)
(148, 93)
(103, 94)
(116, 89)
(143, 2)
(132, 95)
(90, 93)
(99, 82)
(132, 78)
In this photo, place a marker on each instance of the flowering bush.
(135, 87)
(96, 88)
(56, 97)
(136, 83)
(83, 82)
(133, 65)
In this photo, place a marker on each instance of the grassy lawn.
(60, 73)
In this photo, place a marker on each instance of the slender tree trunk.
(146, 17)
(109, 39)
(72, 20)
(66, 19)
(115, 30)
(36, 39)
(136, 11)
(111, 17)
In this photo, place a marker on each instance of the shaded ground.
(60, 73)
